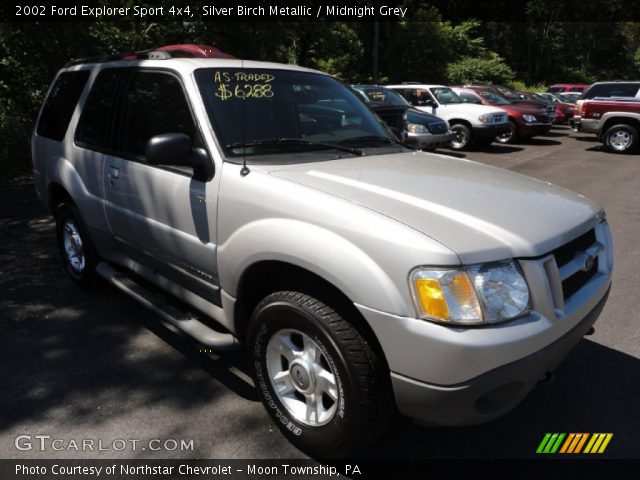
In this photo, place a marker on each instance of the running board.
(183, 321)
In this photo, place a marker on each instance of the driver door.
(161, 217)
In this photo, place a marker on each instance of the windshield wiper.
(295, 141)
(375, 138)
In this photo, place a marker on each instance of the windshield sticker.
(243, 85)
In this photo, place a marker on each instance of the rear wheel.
(79, 256)
(320, 380)
(461, 136)
(510, 136)
(621, 138)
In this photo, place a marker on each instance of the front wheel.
(510, 136)
(621, 139)
(461, 136)
(320, 380)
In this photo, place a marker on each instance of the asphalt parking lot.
(94, 365)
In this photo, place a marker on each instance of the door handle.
(114, 173)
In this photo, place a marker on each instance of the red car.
(526, 120)
(567, 87)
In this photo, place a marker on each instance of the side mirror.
(401, 135)
(176, 149)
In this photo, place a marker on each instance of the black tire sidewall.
(326, 440)
(87, 277)
(512, 137)
(629, 129)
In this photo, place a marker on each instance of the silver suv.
(264, 205)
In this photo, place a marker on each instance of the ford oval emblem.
(589, 261)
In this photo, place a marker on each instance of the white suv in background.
(471, 123)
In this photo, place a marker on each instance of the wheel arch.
(282, 276)
(615, 119)
(460, 121)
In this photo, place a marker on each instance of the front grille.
(499, 118)
(438, 128)
(566, 253)
(575, 282)
(542, 117)
(551, 110)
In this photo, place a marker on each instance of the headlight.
(479, 294)
(416, 128)
(485, 118)
(529, 118)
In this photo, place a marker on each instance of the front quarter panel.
(366, 255)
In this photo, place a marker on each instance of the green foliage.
(520, 86)
(491, 69)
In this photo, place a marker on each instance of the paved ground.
(95, 365)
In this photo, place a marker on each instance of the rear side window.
(94, 126)
(612, 90)
(155, 104)
(61, 103)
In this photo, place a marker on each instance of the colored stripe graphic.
(573, 443)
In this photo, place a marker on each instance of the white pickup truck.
(470, 123)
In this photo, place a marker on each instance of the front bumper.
(492, 394)
(532, 129)
(426, 140)
(590, 125)
(576, 123)
(485, 132)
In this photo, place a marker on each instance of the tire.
(462, 136)
(79, 255)
(325, 358)
(509, 137)
(621, 138)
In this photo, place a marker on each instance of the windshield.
(566, 98)
(445, 95)
(494, 98)
(383, 95)
(269, 111)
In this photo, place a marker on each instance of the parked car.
(565, 107)
(264, 205)
(612, 89)
(567, 87)
(615, 122)
(419, 129)
(470, 123)
(571, 97)
(519, 98)
(525, 121)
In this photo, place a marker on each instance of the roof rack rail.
(161, 53)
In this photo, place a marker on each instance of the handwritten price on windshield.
(246, 91)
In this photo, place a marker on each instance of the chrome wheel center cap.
(302, 377)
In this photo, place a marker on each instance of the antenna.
(244, 171)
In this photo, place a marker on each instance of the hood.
(417, 116)
(482, 213)
(524, 108)
(468, 108)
